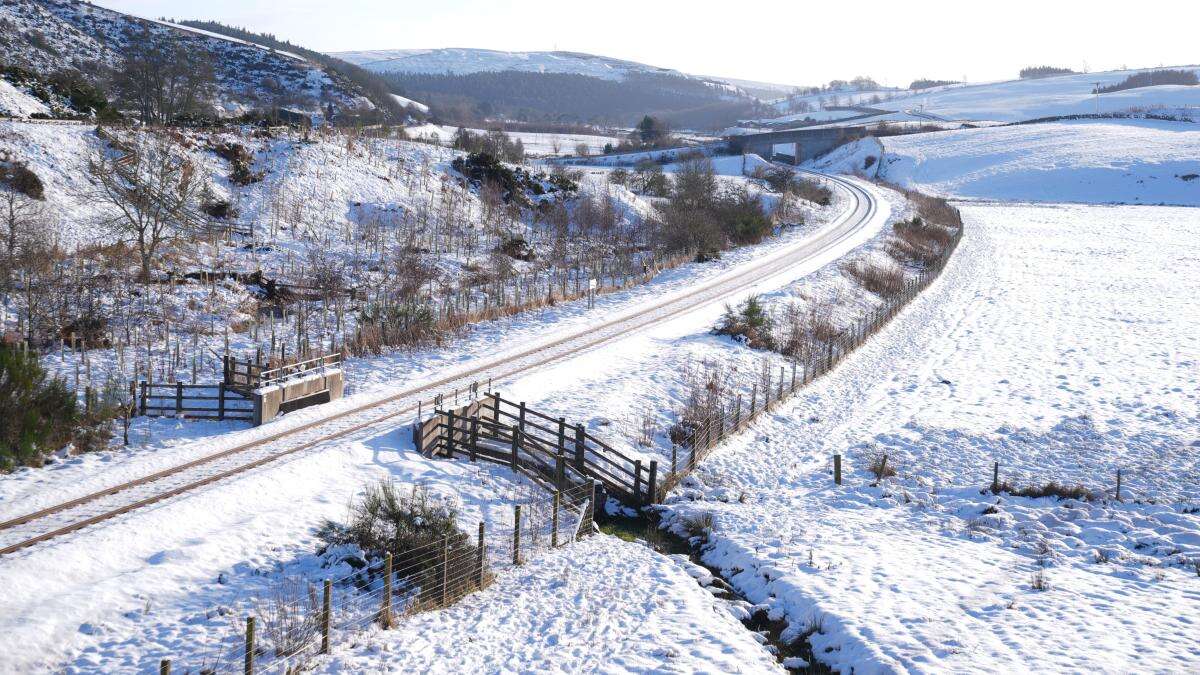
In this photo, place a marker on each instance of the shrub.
(750, 323)
(21, 179)
(881, 468)
(39, 413)
(418, 531)
(917, 241)
(883, 279)
(812, 191)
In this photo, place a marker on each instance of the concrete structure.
(806, 143)
(322, 386)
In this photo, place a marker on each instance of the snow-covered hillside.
(1133, 161)
(1020, 100)
(463, 61)
(49, 35)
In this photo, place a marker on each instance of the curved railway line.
(76, 514)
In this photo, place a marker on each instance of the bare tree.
(163, 78)
(22, 215)
(152, 187)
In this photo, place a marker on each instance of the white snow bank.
(1111, 161)
(16, 103)
(601, 605)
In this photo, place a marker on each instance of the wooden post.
(446, 572)
(516, 534)
(521, 417)
(653, 482)
(560, 462)
(554, 519)
(249, 667)
(516, 434)
(385, 611)
(178, 399)
(580, 446)
(753, 399)
(164, 667)
(326, 615)
(793, 376)
(479, 558)
(474, 437)
(450, 424)
(837, 469)
(1118, 485)
(220, 400)
(637, 480)
(144, 395)
(995, 478)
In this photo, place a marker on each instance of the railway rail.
(91, 509)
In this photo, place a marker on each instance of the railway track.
(89, 510)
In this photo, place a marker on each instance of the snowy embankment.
(601, 605)
(536, 144)
(1086, 161)
(120, 596)
(1037, 349)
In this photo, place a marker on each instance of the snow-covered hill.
(50, 35)
(458, 61)
(1132, 161)
(1020, 100)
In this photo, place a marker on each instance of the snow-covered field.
(1039, 349)
(602, 605)
(1090, 161)
(1019, 100)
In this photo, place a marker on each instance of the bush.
(1152, 78)
(883, 279)
(21, 179)
(418, 531)
(918, 242)
(750, 323)
(39, 413)
(812, 191)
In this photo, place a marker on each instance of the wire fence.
(726, 404)
(285, 628)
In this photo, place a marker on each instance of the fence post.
(220, 400)
(995, 478)
(637, 481)
(521, 417)
(767, 390)
(780, 396)
(737, 413)
(143, 386)
(164, 667)
(516, 534)
(674, 456)
(474, 437)
(554, 519)
(178, 399)
(837, 469)
(1118, 485)
(562, 432)
(580, 446)
(653, 482)
(326, 615)
(793, 376)
(753, 399)
(249, 667)
(479, 558)
(560, 462)
(450, 422)
(446, 572)
(516, 433)
(386, 609)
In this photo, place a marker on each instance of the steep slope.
(51, 35)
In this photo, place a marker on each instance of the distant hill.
(468, 85)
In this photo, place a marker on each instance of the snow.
(1019, 100)
(537, 144)
(16, 103)
(1093, 161)
(153, 583)
(409, 103)
(602, 606)
(1037, 349)
(466, 61)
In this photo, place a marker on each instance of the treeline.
(860, 83)
(563, 97)
(924, 83)
(1151, 78)
(373, 86)
(1036, 72)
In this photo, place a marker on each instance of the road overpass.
(806, 143)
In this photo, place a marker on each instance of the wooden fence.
(195, 401)
(550, 451)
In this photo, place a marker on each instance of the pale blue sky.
(790, 42)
